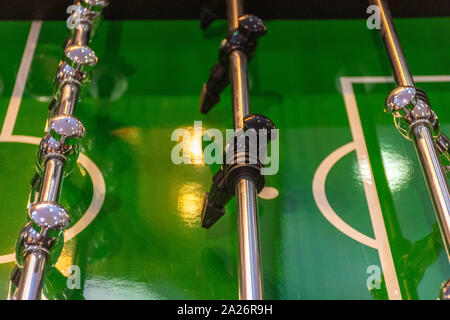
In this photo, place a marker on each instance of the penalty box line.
(362, 154)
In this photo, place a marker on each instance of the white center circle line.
(98, 194)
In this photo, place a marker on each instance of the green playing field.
(352, 200)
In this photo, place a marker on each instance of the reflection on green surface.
(414, 234)
(146, 242)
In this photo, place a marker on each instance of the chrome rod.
(235, 9)
(393, 47)
(69, 98)
(31, 282)
(57, 155)
(52, 180)
(436, 179)
(423, 140)
(82, 34)
(250, 283)
(33, 276)
(238, 70)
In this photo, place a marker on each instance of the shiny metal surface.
(88, 15)
(41, 241)
(30, 287)
(250, 287)
(84, 19)
(66, 88)
(68, 99)
(61, 142)
(48, 216)
(401, 100)
(238, 70)
(52, 148)
(250, 283)
(415, 120)
(79, 57)
(66, 129)
(409, 110)
(393, 47)
(445, 291)
(39, 245)
(443, 144)
(96, 5)
(51, 185)
(235, 8)
(81, 34)
(436, 179)
(66, 74)
(35, 236)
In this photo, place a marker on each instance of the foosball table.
(224, 150)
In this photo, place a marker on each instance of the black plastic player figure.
(222, 188)
(244, 38)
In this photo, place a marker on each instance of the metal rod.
(30, 287)
(250, 283)
(82, 34)
(235, 9)
(423, 141)
(393, 47)
(52, 180)
(31, 282)
(32, 277)
(34, 265)
(238, 70)
(68, 100)
(436, 179)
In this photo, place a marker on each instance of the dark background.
(190, 9)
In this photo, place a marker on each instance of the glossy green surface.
(146, 242)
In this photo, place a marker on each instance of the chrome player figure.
(41, 240)
(417, 122)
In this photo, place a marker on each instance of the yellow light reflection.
(131, 135)
(190, 203)
(196, 151)
(65, 260)
(194, 145)
(82, 170)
